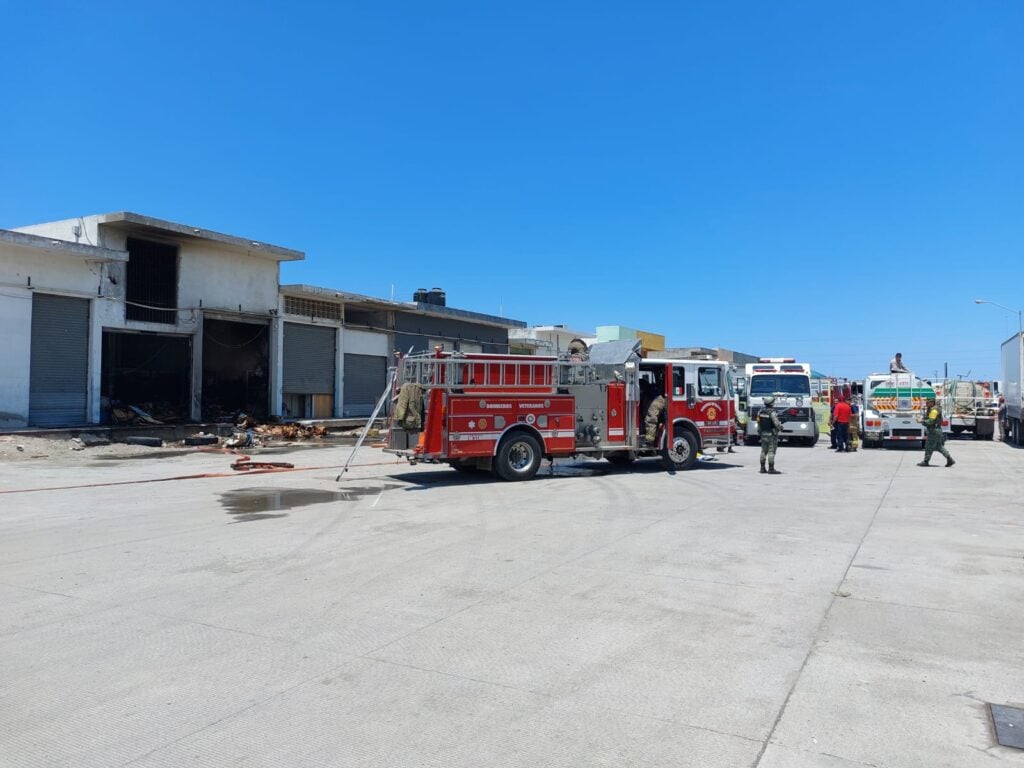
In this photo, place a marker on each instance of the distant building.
(650, 343)
(709, 353)
(337, 345)
(542, 339)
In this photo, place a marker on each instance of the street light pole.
(1020, 313)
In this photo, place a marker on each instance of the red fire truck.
(504, 413)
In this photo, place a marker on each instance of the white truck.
(790, 383)
(894, 405)
(1013, 363)
(970, 408)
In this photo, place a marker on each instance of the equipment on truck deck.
(504, 413)
(970, 408)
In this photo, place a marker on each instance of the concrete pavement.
(855, 611)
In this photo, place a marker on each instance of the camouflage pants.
(655, 413)
(934, 443)
(769, 444)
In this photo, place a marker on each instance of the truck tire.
(518, 457)
(681, 453)
(752, 440)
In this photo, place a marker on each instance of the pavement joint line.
(825, 616)
(441, 672)
(105, 606)
(120, 543)
(230, 715)
(527, 580)
(546, 695)
(916, 607)
(681, 724)
(695, 580)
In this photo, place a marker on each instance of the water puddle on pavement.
(248, 504)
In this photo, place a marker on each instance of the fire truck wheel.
(518, 457)
(681, 453)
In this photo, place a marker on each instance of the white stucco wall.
(65, 230)
(28, 269)
(15, 350)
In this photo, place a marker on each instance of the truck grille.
(787, 414)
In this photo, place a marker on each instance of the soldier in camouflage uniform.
(655, 414)
(934, 441)
(769, 426)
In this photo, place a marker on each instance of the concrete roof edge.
(255, 247)
(402, 306)
(62, 247)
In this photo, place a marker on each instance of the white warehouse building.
(122, 308)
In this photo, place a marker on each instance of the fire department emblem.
(482, 423)
(712, 413)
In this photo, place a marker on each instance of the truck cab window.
(678, 382)
(709, 382)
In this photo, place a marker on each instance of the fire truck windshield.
(784, 383)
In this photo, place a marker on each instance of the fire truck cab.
(505, 413)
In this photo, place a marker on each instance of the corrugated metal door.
(308, 359)
(59, 368)
(365, 378)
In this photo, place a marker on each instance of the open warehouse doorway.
(236, 362)
(148, 371)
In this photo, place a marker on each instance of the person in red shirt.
(841, 424)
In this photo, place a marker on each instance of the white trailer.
(1013, 363)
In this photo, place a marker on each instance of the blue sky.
(834, 182)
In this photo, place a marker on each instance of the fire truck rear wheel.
(681, 453)
(518, 457)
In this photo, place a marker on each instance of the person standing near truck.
(769, 426)
(841, 424)
(934, 441)
(896, 364)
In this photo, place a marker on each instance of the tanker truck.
(893, 407)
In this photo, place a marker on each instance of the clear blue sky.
(831, 181)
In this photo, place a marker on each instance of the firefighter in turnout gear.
(655, 415)
(769, 426)
(934, 441)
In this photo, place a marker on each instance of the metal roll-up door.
(308, 359)
(365, 379)
(59, 368)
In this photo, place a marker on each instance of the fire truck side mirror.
(691, 395)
